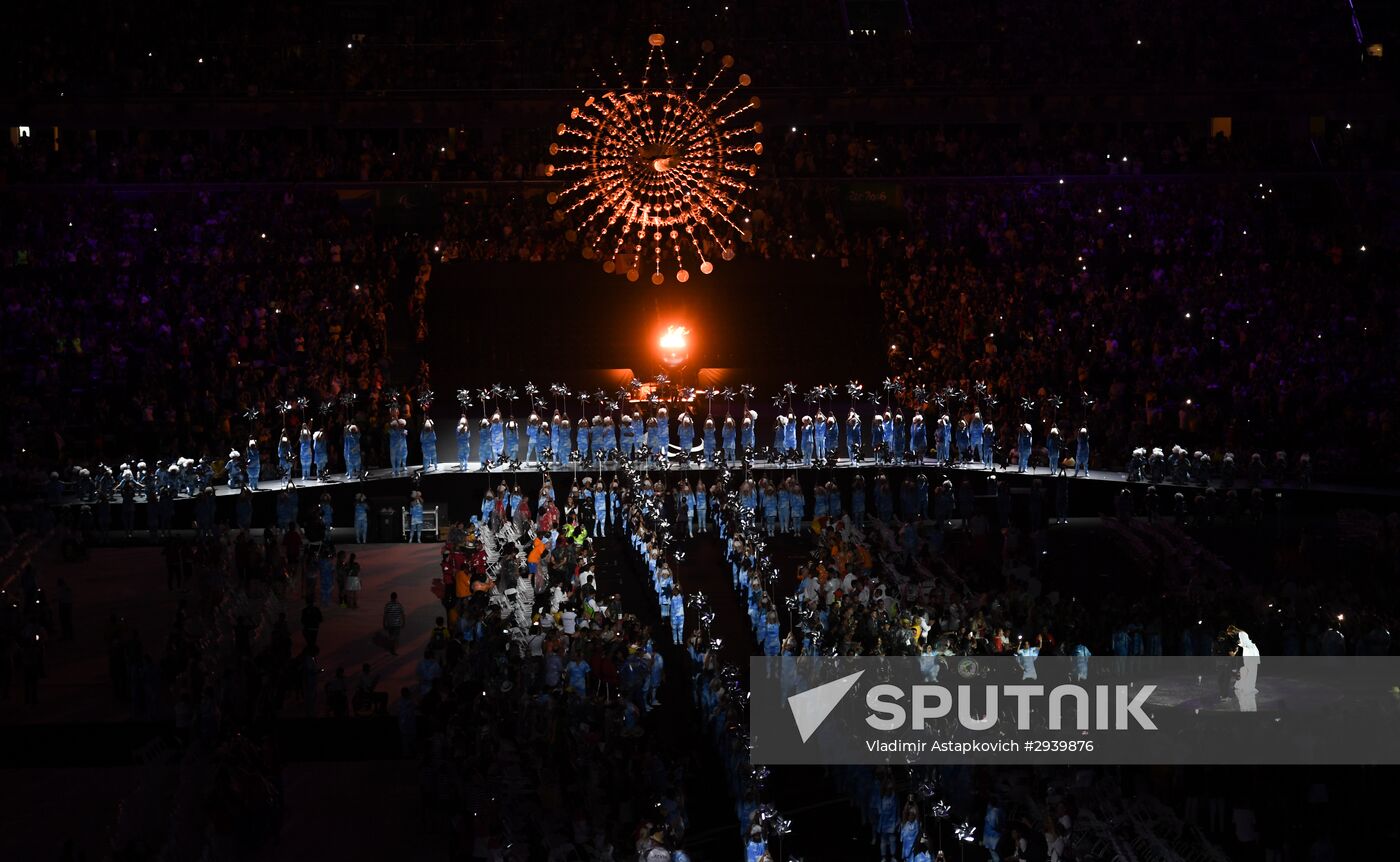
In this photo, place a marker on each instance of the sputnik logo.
(811, 707)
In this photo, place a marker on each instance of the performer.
(989, 446)
(779, 436)
(235, 469)
(327, 514)
(320, 452)
(1052, 451)
(629, 437)
(677, 615)
(1245, 689)
(975, 429)
(808, 441)
(790, 433)
(748, 432)
(498, 438)
(610, 446)
(639, 431)
(600, 510)
(918, 437)
(532, 439)
(351, 446)
(305, 460)
(284, 458)
(819, 435)
(896, 433)
(662, 445)
(415, 517)
(253, 463)
(707, 439)
(853, 436)
(685, 433)
(598, 443)
(700, 505)
(728, 435)
(944, 433)
(585, 440)
(512, 439)
(398, 446)
(361, 519)
(832, 437)
(1081, 452)
(964, 441)
(655, 442)
(464, 443)
(877, 438)
(127, 487)
(1023, 448)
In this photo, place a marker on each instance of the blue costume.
(974, 436)
(584, 443)
(686, 434)
(351, 446)
(629, 438)
(321, 453)
(498, 439)
(1081, 453)
(532, 440)
(989, 447)
(1023, 449)
(464, 443)
(235, 472)
(512, 440)
(727, 435)
(398, 448)
(305, 454)
(677, 616)
(707, 438)
(284, 456)
(853, 437)
(918, 438)
(427, 439)
(748, 437)
(361, 520)
(415, 520)
(1052, 451)
(254, 464)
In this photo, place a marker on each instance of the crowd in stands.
(1235, 317)
(1198, 312)
(202, 48)
(805, 152)
(165, 320)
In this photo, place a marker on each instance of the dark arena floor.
(1103, 296)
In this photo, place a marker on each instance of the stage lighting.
(675, 346)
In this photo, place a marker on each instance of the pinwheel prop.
(746, 392)
(425, 400)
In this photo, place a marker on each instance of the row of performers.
(558, 441)
(810, 440)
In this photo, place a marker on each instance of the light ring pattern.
(661, 173)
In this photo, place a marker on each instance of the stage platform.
(456, 489)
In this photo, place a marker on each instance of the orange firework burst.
(661, 171)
